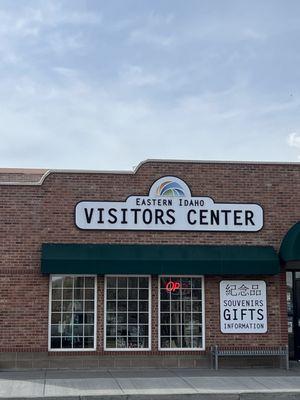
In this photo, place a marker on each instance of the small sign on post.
(243, 307)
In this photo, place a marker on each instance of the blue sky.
(106, 84)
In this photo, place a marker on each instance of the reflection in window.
(127, 312)
(181, 319)
(72, 311)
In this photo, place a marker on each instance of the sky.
(103, 85)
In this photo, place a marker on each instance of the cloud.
(135, 75)
(90, 86)
(294, 140)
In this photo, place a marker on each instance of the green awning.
(290, 246)
(158, 259)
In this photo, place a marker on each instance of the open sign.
(172, 286)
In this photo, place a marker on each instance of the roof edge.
(125, 172)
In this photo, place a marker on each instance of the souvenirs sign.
(243, 307)
(169, 206)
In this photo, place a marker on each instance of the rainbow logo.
(170, 188)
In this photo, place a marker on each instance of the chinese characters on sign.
(243, 307)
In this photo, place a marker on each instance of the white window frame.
(202, 310)
(126, 349)
(50, 312)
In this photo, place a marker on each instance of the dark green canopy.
(290, 246)
(158, 259)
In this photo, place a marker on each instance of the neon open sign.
(172, 286)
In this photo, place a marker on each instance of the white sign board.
(243, 307)
(169, 206)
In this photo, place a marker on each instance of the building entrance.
(293, 310)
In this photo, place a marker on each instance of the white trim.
(149, 314)
(50, 310)
(202, 310)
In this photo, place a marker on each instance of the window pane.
(165, 318)
(176, 342)
(122, 294)
(122, 306)
(78, 318)
(57, 282)
(143, 318)
(165, 330)
(133, 342)
(196, 283)
(176, 306)
(122, 282)
(111, 330)
(143, 282)
(121, 330)
(111, 318)
(111, 282)
(111, 294)
(133, 294)
(78, 294)
(111, 342)
(165, 342)
(56, 294)
(111, 306)
(67, 306)
(89, 318)
(196, 306)
(89, 282)
(67, 294)
(78, 342)
(127, 315)
(181, 316)
(165, 306)
(79, 282)
(133, 282)
(133, 330)
(78, 305)
(143, 306)
(89, 306)
(66, 342)
(66, 330)
(68, 282)
(196, 294)
(70, 314)
(78, 330)
(55, 330)
(89, 294)
(56, 306)
(55, 318)
(143, 294)
(132, 318)
(143, 330)
(122, 318)
(143, 342)
(164, 294)
(55, 343)
(132, 306)
(88, 342)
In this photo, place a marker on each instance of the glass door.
(293, 311)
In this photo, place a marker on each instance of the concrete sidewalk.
(167, 384)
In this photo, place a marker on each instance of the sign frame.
(243, 310)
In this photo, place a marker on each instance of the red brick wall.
(34, 214)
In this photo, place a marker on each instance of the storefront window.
(127, 318)
(181, 313)
(72, 313)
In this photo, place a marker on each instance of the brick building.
(148, 268)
